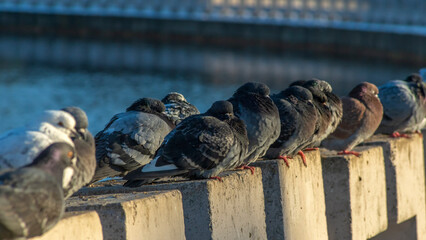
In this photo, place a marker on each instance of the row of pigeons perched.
(44, 162)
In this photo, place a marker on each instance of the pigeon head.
(81, 120)
(414, 77)
(254, 88)
(62, 120)
(59, 160)
(364, 88)
(80, 117)
(147, 105)
(316, 87)
(173, 97)
(221, 110)
(418, 81)
(299, 92)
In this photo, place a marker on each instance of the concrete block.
(232, 209)
(75, 225)
(154, 215)
(294, 198)
(355, 194)
(405, 179)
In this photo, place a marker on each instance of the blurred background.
(102, 55)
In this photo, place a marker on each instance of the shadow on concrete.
(406, 230)
(113, 223)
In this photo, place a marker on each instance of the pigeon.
(329, 109)
(84, 145)
(31, 197)
(178, 108)
(80, 117)
(252, 104)
(201, 146)
(404, 106)
(298, 118)
(18, 147)
(131, 139)
(362, 114)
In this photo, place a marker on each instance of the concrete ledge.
(76, 225)
(355, 194)
(405, 180)
(294, 198)
(232, 209)
(154, 215)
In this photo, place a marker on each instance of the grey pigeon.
(178, 108)
(404, 106)
(20, 146)
(85, 151)
(329, 109)
(298, 118)
(86, 163)
(31, 197)
(362, 114)
(202, 145)
(253, 105)
(131, 139)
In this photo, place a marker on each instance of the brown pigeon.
(362, 114)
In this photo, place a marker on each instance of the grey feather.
(131, 139)
(201, 145)
(404, 106)
(253, 105)
(31, 197)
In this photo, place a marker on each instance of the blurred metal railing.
(397, 12)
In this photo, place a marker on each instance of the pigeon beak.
(82, 133)
(73, 133)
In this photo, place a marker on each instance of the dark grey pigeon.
(86, 163)
(362, 114)
(298, 118)
(31, 197)
(178, 108)
(329, 109)
(85, 151)
(404, 106)
(131, 139)
(202, 145)
(253, 105)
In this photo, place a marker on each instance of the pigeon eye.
(70, 154)
(61, 124)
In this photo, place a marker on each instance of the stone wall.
(379, 195)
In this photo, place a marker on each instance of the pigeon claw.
(310, 149)
(248, 167)
(345, 152)
(399, 135)
(302, 155)
(216, 178)
(285, 158)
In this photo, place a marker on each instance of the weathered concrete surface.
(76, 225)
(232, 209)
(294, 198)
(405, 179)
(355, 194)
(154, 215)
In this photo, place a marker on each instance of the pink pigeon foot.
(345, 152)
(217, 178)
(399, 135)
(285, 158)
(310, 149)
(302, 155)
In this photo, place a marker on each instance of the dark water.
(103, 78)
